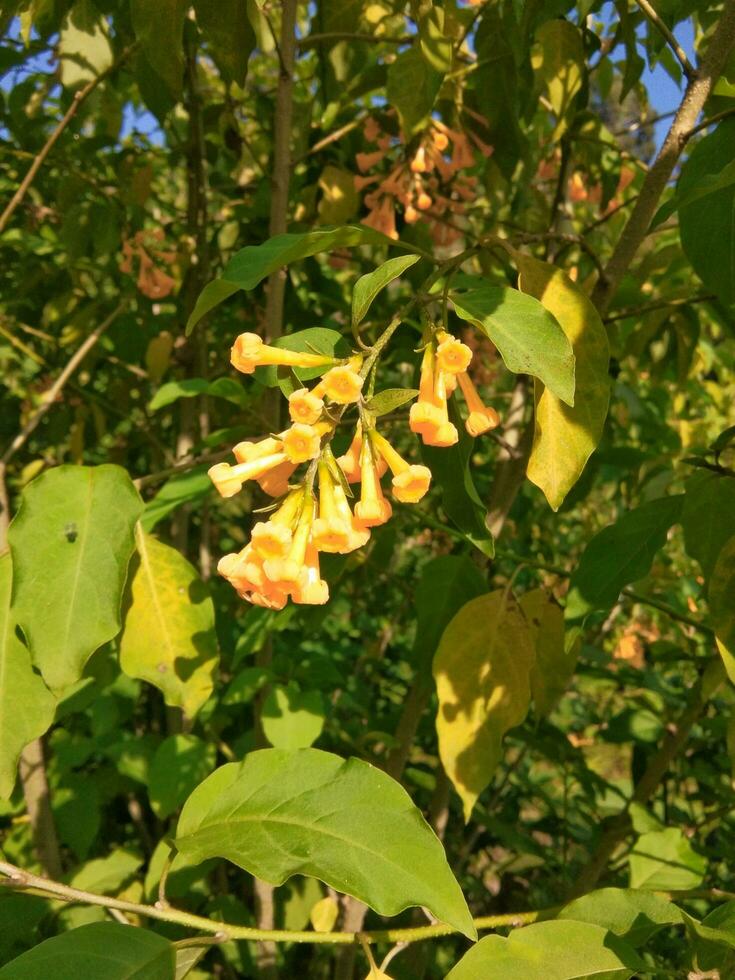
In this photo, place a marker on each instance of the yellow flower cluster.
(314, 515)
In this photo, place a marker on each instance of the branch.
(658, 176)
(54, 391)
(668, 36)
(659, 305)
(32, 773)
(710, 121)
(314, 39)
(79, 98)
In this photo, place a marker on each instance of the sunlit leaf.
(280, 813)
(555, 662)
(368, 286)
(664, 860)
(26, 705)
(74, 529)
(104, 950)
(168, 638)
(527, 335)
(550, 951)
(559, 61)
(482, 671)
(292, 719)
(633, 915)
(564, 438)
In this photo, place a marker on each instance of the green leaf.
(103, 951)
(389, 400)
(708, 517)
(450, 468)
(26, 706)
(280, 813)
(292, 719)
(106, 876)
(710, 218)
(664, 860)
(168, 638)
(75, 529)
(709, 184)
(527, 335)
(181, 762)
(368, 286)
(633, 915)
(159, 28)
(564, 438)
(229, 35)
(620, 554)
(559, 63)
(187, 958)
(482, 671)
(189, 487)
(252, 264)
(555, 662)
(555, 950)
(412, 88)
(313, 340)
(446, 584)
(339, 200)
(167, 394)
(246, 685)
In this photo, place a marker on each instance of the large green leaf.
(564, 438)
(187, 487)
(279, 813)
(101, 951)
(412, 88)
(171, 391)
(620, 554)
(229, 35)
(527, 335)
(482, 671)
(292, 719)
(368, 286)
(633, 915)
(252, 264)
(71, 542)
(550, 951)
(26, 706)
(710, 219)
(168, 638)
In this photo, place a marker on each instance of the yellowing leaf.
(168, 638)
(554, 665)
(558, 60)
(340, 200)
(564, 437)
(84, 48)
(26, 706)
(482, 671)
(324, 915)
(158, 355)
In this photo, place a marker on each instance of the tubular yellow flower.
(372, 508)
(301, 443)
(249, 352)
(482, 417)
(284, 572)
(350, 462)
(340, 384)
(452, 356)
(331, 532)
(275, 482)
(311, 589)
(425, 414)
(243, 570)
(304, 406)
(246, 451)
(272, 538)
(229, 479)
(410, 480)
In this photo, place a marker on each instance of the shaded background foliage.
(619, 775)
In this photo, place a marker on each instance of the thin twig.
(663, 29)
(314, 39)
(710, 121)
(79, 98)
(54, 391)
(659, 305)
(657, 178)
